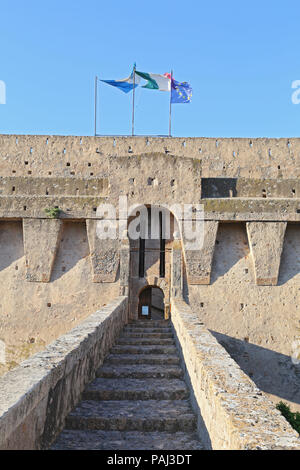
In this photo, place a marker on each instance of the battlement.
(81, 156)
(235, 179)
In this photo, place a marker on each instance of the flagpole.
(96, 86)
(133, 96)
(170, 111)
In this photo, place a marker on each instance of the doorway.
(151, 304)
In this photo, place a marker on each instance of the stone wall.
(79, 173)
(237, 415)
(75, 155)
(36, 397)
(257, 324)
(33, 312)
(243, 284)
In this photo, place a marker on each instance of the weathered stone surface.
(176, 273)
(145, 341)
(155, 349)
(41, 238)
(105, 256)
(130, 329)
(150, 325)
(126, 440)
(256, 324)
(130, 397)
(266, 243)
(237, 180)
(56, 186)
(136, 389)
(143, 358)
(250, 187)
(41, 312)
(78, 173)
(214, 157)
(139, 371)
(143, 334)
(124, 266)
(85, 207)
(199, 262)
(158, 415)
(236, 413)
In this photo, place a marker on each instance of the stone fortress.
(232, 306)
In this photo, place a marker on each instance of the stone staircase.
(138, 400)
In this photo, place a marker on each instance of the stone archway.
(150, 257)
(151, 303)
(140, 285)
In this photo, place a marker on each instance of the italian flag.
(155, 81)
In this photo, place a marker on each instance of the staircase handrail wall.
(36, 397)
(237, 415)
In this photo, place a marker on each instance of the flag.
(181, 92)
(155, 81)
(125, 84)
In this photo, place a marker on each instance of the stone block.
(41, 239)
(176, 273)
(199, 262)
(266, 243)
(124, 265)
(105, 255)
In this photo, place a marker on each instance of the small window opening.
(162, 259)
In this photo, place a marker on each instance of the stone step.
(140, 349)
(157, 329)
(138, 400)
(148, 331)
(136, 389)
(150, 324)
(138, 334)
(145, 341)
(155, 415)
(165, 359)
(140, 371)
(134, 440)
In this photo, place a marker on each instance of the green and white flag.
(155, 81)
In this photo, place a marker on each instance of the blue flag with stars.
(181, 92)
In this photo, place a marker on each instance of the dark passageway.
(151, 303)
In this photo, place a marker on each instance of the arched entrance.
(153, 227)
(151, 304)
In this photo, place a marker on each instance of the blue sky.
(239, 57)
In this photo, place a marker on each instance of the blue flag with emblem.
(125, 84)
(181, 92)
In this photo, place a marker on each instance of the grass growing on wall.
(292, 418)
(53, 213)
